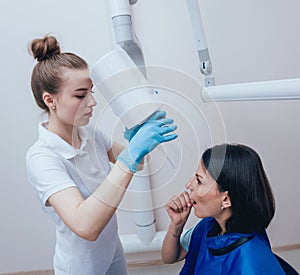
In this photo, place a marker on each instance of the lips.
(89, 114)
(193, 202)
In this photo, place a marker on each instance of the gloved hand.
(129, 133)
(149, 135)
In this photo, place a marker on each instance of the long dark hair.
(238, 169)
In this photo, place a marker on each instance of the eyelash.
(199, 181)
(83, 96)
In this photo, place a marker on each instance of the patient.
(231, 193)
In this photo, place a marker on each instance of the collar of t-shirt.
(59, 145)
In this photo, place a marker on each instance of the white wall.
(248, 41)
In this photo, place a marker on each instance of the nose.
(91, 100)
(189, 184)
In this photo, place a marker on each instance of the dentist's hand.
(149, 135)
(129, 133)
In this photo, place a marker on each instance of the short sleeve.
(102, 138)
(47, 174)
(185, 238)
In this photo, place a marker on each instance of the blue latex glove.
(129, 133)
(149, 136)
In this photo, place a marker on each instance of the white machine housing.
(124, 87)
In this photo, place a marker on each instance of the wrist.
(120, 174)
(129, 160)
(174, 235)
(175, 230)
(123, 167)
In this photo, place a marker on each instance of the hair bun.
(44, 48)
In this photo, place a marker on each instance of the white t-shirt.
(53, 165)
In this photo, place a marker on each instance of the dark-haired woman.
(69, 165)
(231, 193)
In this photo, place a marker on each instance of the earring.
(53, 107)
(222, 207)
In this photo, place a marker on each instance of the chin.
(82, 123)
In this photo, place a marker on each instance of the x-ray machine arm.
(120, 13)
(201, 44)
(286, 89)
(121, 17)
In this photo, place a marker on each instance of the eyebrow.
(83, 89)
(198, 176)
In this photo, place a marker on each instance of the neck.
(222, 219)
(69, 133)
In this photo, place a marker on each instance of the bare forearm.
(94, 213)
(172, 250)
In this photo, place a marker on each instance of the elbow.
(164, 260)
(90, 237)
(88, 233)
(167, 260)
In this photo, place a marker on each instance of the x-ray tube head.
(125, 88)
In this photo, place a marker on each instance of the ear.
(226, 202)
(49, 100)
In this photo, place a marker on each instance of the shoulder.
(98, 136)
(40, 159)
(260, 241)
(266, 261)
(45, 143)
(39, 150)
